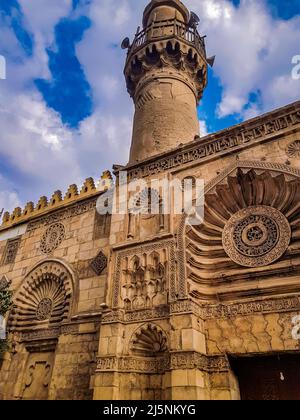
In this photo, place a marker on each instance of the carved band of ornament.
(48, 333)
(185, 306)
(168, 244)
(193, 360)
(112, 317)
(237, 309)
(133, 364)
(40, 334)
(144, 315)
(236, 138)
(180, 360)
(205, 312)
(72, 211)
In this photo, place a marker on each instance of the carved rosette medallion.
(44, 309)
(52, 238)
(256, 236)
(293, 149)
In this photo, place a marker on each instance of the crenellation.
(57, 201)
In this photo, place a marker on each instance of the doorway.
(268, 378)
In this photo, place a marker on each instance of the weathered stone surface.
(145, 306)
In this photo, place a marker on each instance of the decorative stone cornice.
(264, 128)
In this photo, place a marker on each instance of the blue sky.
(65, 114)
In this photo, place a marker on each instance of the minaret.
(166, 74)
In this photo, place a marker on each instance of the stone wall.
(75, 249)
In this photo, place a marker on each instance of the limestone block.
(219, 380)
(179, 378)
(193, 341)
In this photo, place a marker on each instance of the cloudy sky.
(65, 114)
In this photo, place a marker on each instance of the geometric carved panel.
(11, 251)
(99, 263)
(140, 268)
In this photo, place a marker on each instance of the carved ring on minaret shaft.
(166, 74)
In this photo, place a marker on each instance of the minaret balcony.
(167, 30)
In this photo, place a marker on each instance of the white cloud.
(43, 154)
(253, 53)
(8, 200)
(203, 128)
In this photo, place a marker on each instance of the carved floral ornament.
(44, 298)
(293, 149)
(52, 238)
(251, 219)
(99, 263)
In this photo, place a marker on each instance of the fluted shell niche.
(149, 340)
(43, 300)
(251, 225)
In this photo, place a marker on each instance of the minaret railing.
(168, 29)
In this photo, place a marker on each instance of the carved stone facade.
(149, 306)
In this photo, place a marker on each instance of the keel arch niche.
(44, 299)
(206, 253)
(149, 340)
